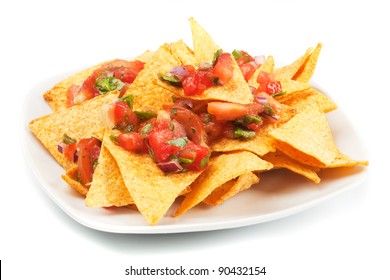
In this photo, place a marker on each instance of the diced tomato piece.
(71, 95)
(213, 127)
(247, 70)
(158, 141)
(196, 154)
(129, 71)
(88, 152)
(124, 116)
(190, 83)
(231, 111)
(192, 123)
(273, 87)
(69, 150)
(131, 141)
(223, 69)
(267, 83)
(264, 77)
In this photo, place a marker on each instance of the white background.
(346, 237)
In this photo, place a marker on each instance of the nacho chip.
(153, 191)
(261, 144)
(280, 160)
(306, 71)
(107, 187)
(50, 129)
(147, 94)
(222, 169)
(345, 161)
(287, 72)
(307, 138)
(309, 98)
(183, 53)
(203, 45)
(70, 177)
(146, 56)
(231, 188)
(290, 87)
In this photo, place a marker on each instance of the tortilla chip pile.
(300, 141)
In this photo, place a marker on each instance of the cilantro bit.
(172, 79)
(145, 115)
(129, 99)
(114, 139)
(216, 55)
(179, 142)
(243, 133)
(68, 140)
(108, 84)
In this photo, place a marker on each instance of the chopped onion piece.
(178, 71)
(172, 166)
(259, 60)
(205, 65)
(60, 147)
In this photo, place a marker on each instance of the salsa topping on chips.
(196, 81)
(84, 153)
(114, 75)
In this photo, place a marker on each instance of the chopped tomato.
(212, 126)
(71, 95)
(88, 152)
(248, 69)
(194, 157)
(124, 117)
(267, 83)
(231, 111)
(126, 71)
(131, 141)
(192, 123)
(223, 68)
(69, 150)
(190, 83)
(158, 141)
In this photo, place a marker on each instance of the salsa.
(84, 153)
(115, 75)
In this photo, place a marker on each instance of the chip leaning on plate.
(202, 124)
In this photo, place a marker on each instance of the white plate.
(279, 194)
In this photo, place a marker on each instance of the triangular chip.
(107, 188)
(261, 144)
(71, 178)
(147, 94)
(222, 169)
(231, 188)
(287, 72)
(345, 161)
(236, 90)
(153, 191)
(183, 53)
(204, 45)
(307, 138)
(289, 87)
(306, 71)
(50, 129)
(309, 98)
(280, 160)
